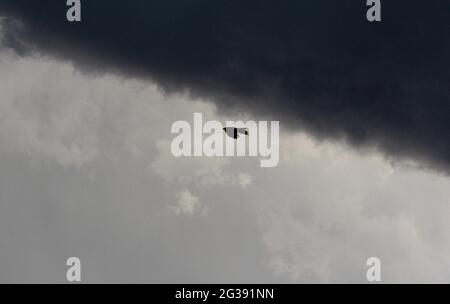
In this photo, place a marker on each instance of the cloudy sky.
(86, 168)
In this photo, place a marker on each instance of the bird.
(234, 132)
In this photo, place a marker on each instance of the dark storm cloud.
(317, 64)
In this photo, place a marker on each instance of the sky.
(86, 168)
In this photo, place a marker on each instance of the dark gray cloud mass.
(317, 64)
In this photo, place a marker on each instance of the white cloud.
(338, 207)
(188, 204)
(320, 213)
(201, 172)
(245, 180)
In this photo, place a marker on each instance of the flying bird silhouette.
(234, 132)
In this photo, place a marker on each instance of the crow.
(234, 132)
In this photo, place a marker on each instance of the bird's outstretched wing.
(242, 131)
(232, 132)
